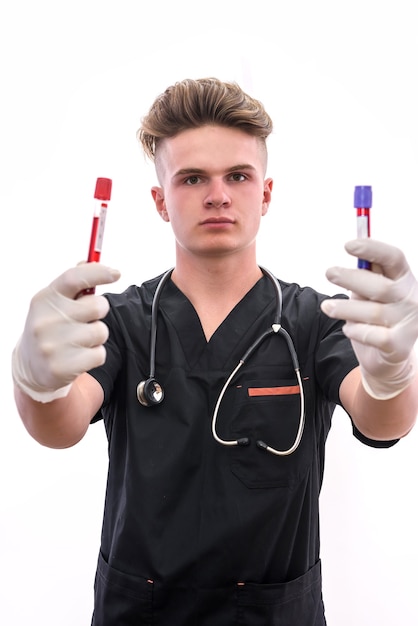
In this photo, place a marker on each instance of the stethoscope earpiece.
(149, 392)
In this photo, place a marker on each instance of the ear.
(158, 197)
(268, 188)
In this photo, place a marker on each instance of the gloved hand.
(381, 316)
(63, 334)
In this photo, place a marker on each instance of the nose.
(217, 195)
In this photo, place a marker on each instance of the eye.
(192, 180)
(237, 177)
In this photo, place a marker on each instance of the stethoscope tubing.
(154, 325)
(276, 328)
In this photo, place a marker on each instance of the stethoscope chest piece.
(149, 392)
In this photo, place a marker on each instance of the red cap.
(103, 189)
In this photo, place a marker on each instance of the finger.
(390, 259)
(78, 362)
(84, 309)
(77, 338)
(89, 308)
(373, 286)
(92, 357)
(366, 284)
(84, 276)
(378, 337)
(89, 335)
(362, 311)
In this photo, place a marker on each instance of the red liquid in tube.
(102, 196)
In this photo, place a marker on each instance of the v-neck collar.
(232, 336)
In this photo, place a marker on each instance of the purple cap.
(363, 197)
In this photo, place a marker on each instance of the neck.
(224, 277)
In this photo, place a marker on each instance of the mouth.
(217, 221)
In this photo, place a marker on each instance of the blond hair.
(193, 103)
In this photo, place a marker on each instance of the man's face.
(212, 189)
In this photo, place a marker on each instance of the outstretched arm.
(381, 395)
(63, 338)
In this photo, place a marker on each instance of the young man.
(216, 384)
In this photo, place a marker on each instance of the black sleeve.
(373, 443)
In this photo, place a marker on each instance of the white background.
(339, 80)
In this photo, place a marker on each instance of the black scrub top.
(195, 532)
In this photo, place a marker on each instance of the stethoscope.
(150, 392)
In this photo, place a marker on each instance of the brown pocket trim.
(273, 391)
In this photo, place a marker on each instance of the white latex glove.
(381, 316)
(63, 334)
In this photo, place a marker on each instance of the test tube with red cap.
(102, 196)
(363, 204)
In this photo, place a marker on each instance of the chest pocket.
(270, 411)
